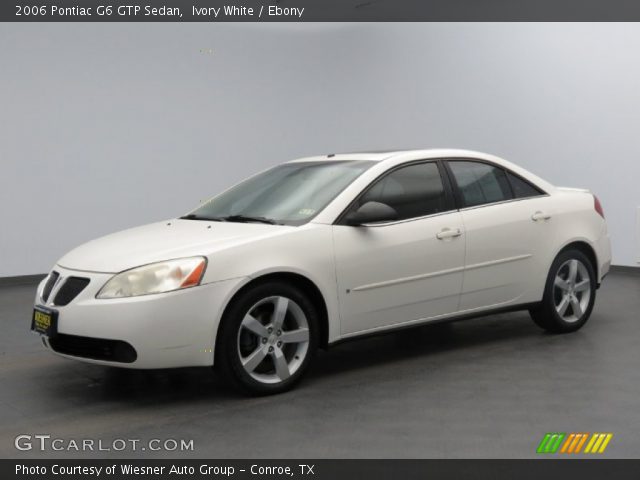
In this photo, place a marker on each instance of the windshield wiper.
(230, 218)
(193, 216)
(248, 218)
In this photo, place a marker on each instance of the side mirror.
(371, 212)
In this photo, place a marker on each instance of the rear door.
(406, 270)
(507, 221)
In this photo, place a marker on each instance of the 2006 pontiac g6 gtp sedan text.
(322, 249)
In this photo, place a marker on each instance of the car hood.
(163, 241)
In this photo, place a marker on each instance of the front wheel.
(267, 339)
(569, 294)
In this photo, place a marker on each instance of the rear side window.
(521, 188)
(480, 183)
(413, 191)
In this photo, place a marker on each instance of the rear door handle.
(448, 233)
(536, 217)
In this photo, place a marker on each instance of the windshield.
(289, 194)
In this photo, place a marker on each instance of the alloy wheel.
(273, 339)
(572, 290)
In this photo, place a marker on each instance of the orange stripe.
(567, 442)
(582, 440)
(574, 443)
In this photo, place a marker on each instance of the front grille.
(48, 286)
(93, 348)
(69, 290)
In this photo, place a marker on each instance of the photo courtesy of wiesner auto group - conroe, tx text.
(176, 470)
(376, 239)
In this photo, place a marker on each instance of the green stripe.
(556, 446)
(543, 443)
(547, 448)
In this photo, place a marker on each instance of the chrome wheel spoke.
(253, 325)
(582, 285)
(561, 308)
(280, 362)
(279, 312)
(561, 283)
(295, 336)
(573, 271)
(577, 308)
(251, 362)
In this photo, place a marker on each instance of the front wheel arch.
(295, 279)
(269, 315)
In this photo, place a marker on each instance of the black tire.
(233, 338)
(546, 315)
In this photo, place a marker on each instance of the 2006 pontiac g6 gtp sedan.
(322, 249)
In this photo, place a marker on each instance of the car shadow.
(427, 341)
(193, 384)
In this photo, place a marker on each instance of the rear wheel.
(569, 294)
(267, 339)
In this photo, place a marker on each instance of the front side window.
(289, 194)
(412, 191)
(480, 183)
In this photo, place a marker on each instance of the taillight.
(598, 206)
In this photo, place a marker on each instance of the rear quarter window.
(521, 188)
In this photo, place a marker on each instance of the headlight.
(155, 278)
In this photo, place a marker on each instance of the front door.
(406, 270)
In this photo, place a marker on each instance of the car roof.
(396, 157)
(382, 155)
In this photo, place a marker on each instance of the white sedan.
(323, 249)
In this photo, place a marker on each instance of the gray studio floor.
(484, 388)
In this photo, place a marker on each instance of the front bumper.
(174, 329)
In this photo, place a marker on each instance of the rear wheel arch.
(587, 250)
(569, 293)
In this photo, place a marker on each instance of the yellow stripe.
(596, 445)
(567, 442)
(605, 443)
(582, 440)
(591, 442)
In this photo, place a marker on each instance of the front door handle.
(536, 217)
(448, 233)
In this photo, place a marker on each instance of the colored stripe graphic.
(572, 443)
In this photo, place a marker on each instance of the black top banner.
(321, 11)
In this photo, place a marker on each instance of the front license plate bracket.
(44, 321)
